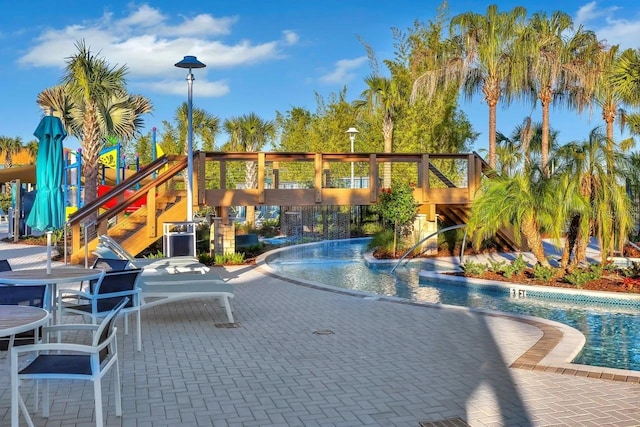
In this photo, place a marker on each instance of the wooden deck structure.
(444, 184)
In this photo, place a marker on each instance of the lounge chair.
(109, 248)
(163, 288)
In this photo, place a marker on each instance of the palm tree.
(9, 147)
(249, 133)
(481, 59)
(543, 51)
(625, 78)
(523, 147)
(608, 216)
(32, 147)
(93, 103)
(526, 202)
(384, 96)
(205, 126)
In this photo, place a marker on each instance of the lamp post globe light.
(190, 62)
(352, 132)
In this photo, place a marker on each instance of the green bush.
(205, 259)
(156, 255)
(5, 202)
(270, 228)
(496, 266)
(581, 276)
(471, 268)
(543, 273)
(517, 267)
(235, 258)
(382, 239)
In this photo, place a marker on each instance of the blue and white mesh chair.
(69, 361)
(101, 296)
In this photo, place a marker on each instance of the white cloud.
(612, 24)
(342, 72)
(149, 45)
(290, 37)
(177, 87)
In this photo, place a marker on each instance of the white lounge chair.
(162, 288)
(109, 248)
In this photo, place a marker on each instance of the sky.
(260, 57)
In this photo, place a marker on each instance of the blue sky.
(261, 57)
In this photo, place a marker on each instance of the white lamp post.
(352, 132)
(190, 62)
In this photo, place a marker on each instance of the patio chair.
(110, 264)
(4, 265)
(32, 295)
(69, 361)
(100, 298)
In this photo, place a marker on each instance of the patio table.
(40, 276)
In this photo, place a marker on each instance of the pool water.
(612, 333)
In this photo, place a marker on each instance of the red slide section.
(104, 189)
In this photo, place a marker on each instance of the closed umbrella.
(47, 213)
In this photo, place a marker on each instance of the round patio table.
(39, 276)
(15, 319)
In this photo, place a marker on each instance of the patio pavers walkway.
(307, 357)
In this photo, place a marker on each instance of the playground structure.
(114, 169)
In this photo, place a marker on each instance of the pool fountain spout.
(442, 230)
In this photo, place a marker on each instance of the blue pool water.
(612, 332)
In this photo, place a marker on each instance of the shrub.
(155, 255)
(270, 228)
(519, 264)
(471, 268)
(579, 277)
(382, 240)
(234, 258)
(205, 259)
(541, 272)
(496, 266)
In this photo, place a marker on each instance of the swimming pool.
(612, 333)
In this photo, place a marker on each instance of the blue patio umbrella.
(48, 211)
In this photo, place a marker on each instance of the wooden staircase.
(160, 183)
(459, 214)
(132, 231)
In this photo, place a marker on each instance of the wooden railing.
(286, 179)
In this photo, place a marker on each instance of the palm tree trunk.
(531, 233)
(544, 152)
(91, 146)
(570, 241)
(492, 134)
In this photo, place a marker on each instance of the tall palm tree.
(544, 55)
(625, 78)
(481, 60)
(93, 103)
(384, 96)
(249, 133)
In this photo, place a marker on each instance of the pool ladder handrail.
(442, 230)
